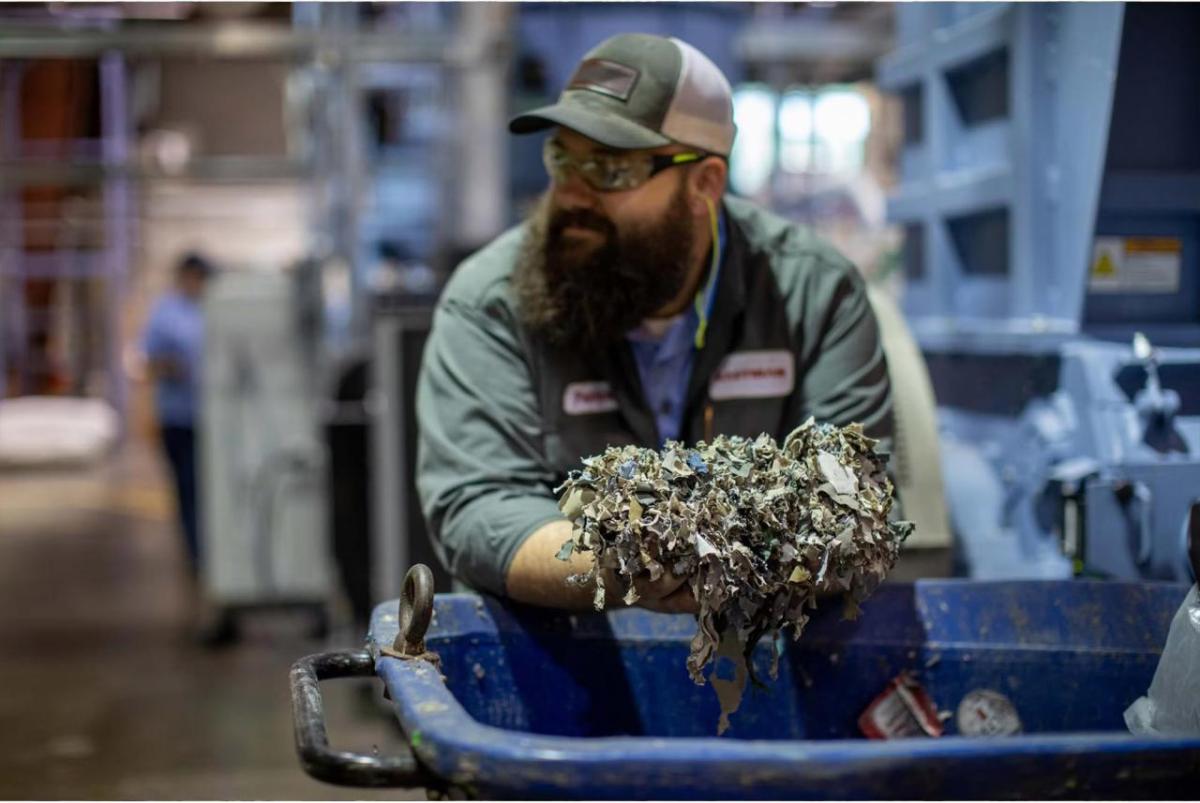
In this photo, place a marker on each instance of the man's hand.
(667, 594)
(680, 600)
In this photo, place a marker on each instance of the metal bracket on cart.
(416, 611)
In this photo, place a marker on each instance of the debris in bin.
(984, 712)
(758, 530)
(903, 710)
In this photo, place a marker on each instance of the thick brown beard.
(588, 298)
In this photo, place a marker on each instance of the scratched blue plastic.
(545, 704)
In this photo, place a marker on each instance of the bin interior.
(1071, 656)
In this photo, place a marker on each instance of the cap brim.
(604, 127)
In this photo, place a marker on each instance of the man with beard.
(637, 304)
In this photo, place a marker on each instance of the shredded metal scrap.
(758, 530)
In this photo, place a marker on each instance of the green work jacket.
(503, 415)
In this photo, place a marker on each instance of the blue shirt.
(175, 331)
(664, 360)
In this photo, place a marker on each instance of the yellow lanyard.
(702, 298)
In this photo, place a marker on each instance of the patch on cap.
(606, 77)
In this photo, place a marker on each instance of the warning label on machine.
(1135, 265)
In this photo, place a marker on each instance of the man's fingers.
(647, 589)
(660, 588)
(680, 601)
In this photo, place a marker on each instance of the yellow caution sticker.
(1135, 265)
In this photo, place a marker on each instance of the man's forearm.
(537, 576)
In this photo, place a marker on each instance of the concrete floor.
(103, 693)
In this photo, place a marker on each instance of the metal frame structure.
(329, 46)
(1038, 134)
(111, 262)
(1038, 164)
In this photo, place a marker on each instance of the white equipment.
(262, 462)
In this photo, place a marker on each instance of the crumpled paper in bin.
(1172, 705)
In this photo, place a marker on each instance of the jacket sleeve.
(483, 481)
(843, 375)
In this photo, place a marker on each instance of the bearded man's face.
(583, 281)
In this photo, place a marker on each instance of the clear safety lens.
(603, 172)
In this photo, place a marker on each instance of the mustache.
(561, 219)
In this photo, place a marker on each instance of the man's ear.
(707, 181)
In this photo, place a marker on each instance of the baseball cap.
(641, 91)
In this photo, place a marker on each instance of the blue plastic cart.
(503, 701)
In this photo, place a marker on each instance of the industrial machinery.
(1050, 194)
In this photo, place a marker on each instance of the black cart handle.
(312, 743)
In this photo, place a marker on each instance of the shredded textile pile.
(758, 529)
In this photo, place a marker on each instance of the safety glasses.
(611, 171)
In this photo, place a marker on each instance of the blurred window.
(753, 157)
(801, 131)
(842, 120)
(797, 143)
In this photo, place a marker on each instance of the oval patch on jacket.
(754, 375)
(585, 398)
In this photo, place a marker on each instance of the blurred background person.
(173, 342)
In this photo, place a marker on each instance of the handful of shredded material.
(758, 529)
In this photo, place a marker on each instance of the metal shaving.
(758, 530)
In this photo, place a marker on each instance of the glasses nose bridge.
(569, 181)
(573, 190)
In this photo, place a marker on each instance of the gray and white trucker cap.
(641, 91)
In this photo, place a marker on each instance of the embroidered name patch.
(586, 398)
(754, 375)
